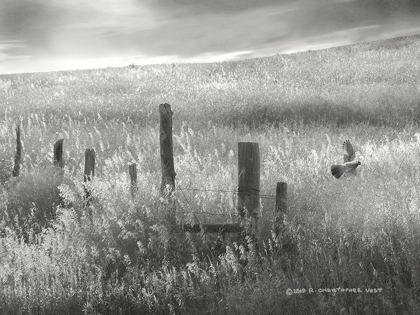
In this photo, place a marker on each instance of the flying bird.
(349, 166)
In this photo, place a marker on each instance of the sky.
(51, 35)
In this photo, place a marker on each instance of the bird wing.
(350, 151)
(337, 170)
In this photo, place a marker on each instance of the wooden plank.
(213, 228)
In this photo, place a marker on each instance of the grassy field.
(121, 256)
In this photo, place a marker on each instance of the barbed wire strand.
(272, 197)
(200, 212)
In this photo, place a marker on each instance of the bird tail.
(338, 170)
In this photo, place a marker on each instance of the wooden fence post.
(166, 150)
(132, 170)
(249, 182)
(18, 156)
(89, 172)
(58, 159)
(167, 160)
(281, 210)
(58, 153)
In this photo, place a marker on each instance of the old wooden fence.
(248, 179)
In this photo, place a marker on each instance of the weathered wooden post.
(89, 172)
(281, 210)
(166, 150)
(18, 156)
(58, 159)
(58, 153)
(132, 170)
(249, 183)
(167, 159)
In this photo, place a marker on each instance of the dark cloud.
(222, 32)
(198, 7)
(207, 26)
(31, 30)
(31, 21)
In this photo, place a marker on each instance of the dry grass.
(121, 257)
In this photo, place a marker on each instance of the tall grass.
(123, 256)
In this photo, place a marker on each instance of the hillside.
(373, 83)
(353, 244)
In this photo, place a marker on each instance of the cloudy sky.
(47, 35)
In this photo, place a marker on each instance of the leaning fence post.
(281, 210)
(18, 156)
(132, 170)
(249, 183)
(167, 159)
(89, 172)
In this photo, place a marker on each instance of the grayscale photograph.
(183, 157)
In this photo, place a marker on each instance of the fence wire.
(233, 192)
